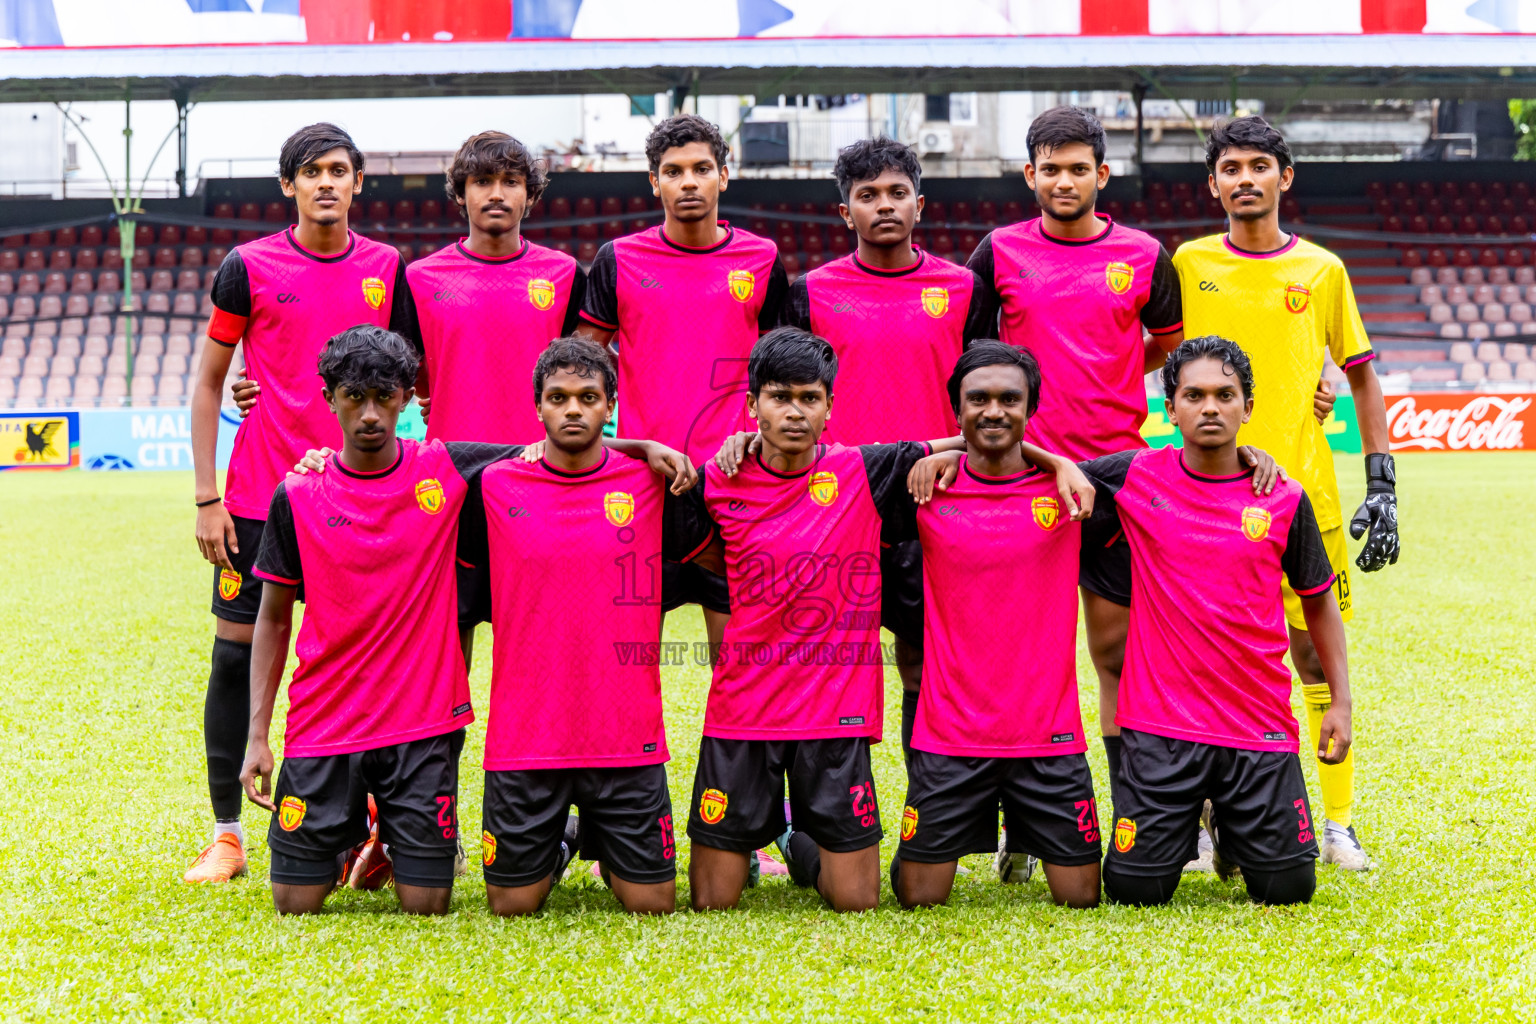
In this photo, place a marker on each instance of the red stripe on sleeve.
(275, 579)
(1313, 592)
(690, 556)
(589, 318)
(1166, 330)
(1359, 360)
(226, 328)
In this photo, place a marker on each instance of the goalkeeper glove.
(1378, 515)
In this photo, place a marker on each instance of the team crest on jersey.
(1296, 297)
(619, 507)
(429, 496)
(290, 813)
(1047, 512)
(935, 301)
(373, 291)
(1125, 835)
(909, 822)
(1119, 277)
(1256, 523)
(541, 293)
(229, 584)
(487, 848)
(824, 487)
(742, 283)
(712, 806)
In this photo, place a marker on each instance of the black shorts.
(474, 583)
(1258, 799)
(322, 808)
(685, 583)
(901, 591)
(626, 822)
(237, 595)
(952, 805)
(738, 793)
(1107, 571)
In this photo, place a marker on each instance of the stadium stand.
(1460, 313)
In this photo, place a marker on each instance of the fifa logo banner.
(39, 440)
(1449, 422)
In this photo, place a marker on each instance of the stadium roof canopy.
(1263, 67)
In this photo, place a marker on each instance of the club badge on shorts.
(373, 292)
(1119, 277)
(290, 813)
(1256, 523)
(619, 507)
(823, 487)
(712, 806)
(487, 848)
(429, 496)
(936, 301)
(909, 822)
(229, 584)
(541, 293)
(1296, 297)
(742, 283)
(1125, 835)
(1047, 512)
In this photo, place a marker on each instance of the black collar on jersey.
(821, 450)
(1109, 225)
(1227, 241)
(965, 464)
(1208, 479)
(922, 258)
(572, 476)
(464, 251)
(730, 233)
(358, 474)
(351, 244)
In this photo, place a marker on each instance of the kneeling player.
(997, 719)
(1204, 703)
(573, 543)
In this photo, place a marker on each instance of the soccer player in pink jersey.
(683, 303)
(575, 714)
(998, 721)
(886, 303)
(281, 296)
(1205, 697)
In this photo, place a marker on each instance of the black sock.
(804, 860)
(226, 723)
(896, 876)
(908, 721)
(1112, 751)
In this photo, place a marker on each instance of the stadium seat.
(59, 390)
(35, 366)
(1473, 276)
(1479, 331)
(10, 367)
(1525, 372)
(1505, 329)
(68, 345)
(35, 259)
(1430, 294)
(1515, 353)
(1493, 313)
(1473, 372)
(1441, 313)
(113, 388)
(170, 386)
(1498, 276)
(1524, 275)
(7, 388)
(1500, 371)
(142, 388)
(275, 213)
(1466, 312)
(29, 390)
(1509, 293)
(1446, 276)
(250, 211)
(61, 366)
(60, 259)
(1453, 331)
(91, 366)
(178, 344)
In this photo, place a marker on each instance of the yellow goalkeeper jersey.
(1289, 310)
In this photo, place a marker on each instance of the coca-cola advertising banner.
(1450, 422)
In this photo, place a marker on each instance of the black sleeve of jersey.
(600, 305)
(982, 266)
(578, 296)
(773, 301)
(687, 527)
(474, 543)
(1305, 560)
(471, 457)
(1107, 474)
(1164, 311)
(981, 317)
(887, 466)
(402, 311)
(279, 554)
(232, 285)
(797, 305)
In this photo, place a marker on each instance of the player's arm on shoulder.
(1311, 576)
(735, 449)
(1072, 484)
(663, 461)
(932, 474)
(1266, 471)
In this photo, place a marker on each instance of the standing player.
(283, 296)
(998, 722)
(684, 303)
(1205, 708)
(888, 301)
(1289, 304)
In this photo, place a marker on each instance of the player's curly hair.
(368, 356)
(988, 352)
(788, 355)
(867, 159)
(1208, 346)
(494, 153)
(1252, 132)
(310, 143)
(583, 357)
(1062, 126)
(680, 130)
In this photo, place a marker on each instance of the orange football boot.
(221, 860)
(371, 867)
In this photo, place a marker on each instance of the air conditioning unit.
(934, 139)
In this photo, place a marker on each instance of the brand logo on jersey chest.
(823, 487)
(429, 496)
(619, 507)
(287, 298)
(935, 301)
(541, 292)
(1047, 512)
(1209, 286)
(1119, 277)
(229, 584)
(649, 283)
(742, 283)
(1296, 297)
(373, 292)
(1256, 523)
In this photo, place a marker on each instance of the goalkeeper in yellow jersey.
(1289, 304)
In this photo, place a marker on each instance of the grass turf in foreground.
(104, 636)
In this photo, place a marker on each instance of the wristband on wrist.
(210, 501)
(1380, 469)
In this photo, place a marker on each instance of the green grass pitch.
(104, 638)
